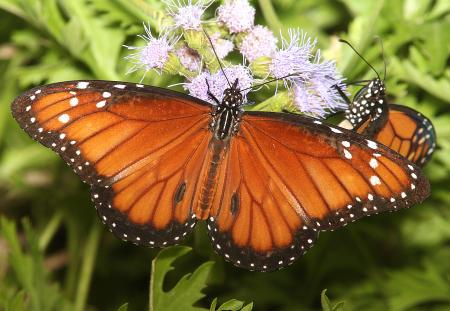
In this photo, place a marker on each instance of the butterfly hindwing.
(139, 148)
(408, 132)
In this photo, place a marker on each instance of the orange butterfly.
(266, 183)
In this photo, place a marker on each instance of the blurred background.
(56, 255)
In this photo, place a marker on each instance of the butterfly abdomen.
(209, 182)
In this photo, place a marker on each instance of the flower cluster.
(192, 46)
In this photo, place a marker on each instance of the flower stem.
(270, 15)
(90, 254)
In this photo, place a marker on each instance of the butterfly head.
(232, 97)
(376, 88)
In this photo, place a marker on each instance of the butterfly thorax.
(369, 104)
(227, 115)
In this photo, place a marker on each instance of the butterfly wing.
(289, 177)
(409, 133)
(140, 148)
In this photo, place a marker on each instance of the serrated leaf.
(186, 292)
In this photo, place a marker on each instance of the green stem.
(90, 254)
(270, 15)
(50, 230)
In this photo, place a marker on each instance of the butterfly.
(398, 127)
(265, 183)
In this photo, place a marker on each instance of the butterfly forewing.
(141, 149)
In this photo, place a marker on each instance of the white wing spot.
(413, 175)
(392, 200)
(335, 130)
(372, 144)
(346, 144)
(101, 104)
(370, 197)
(410, 167)
(33, 119)
(73, 101)
(374, 180)
(82, 85)
(28, 108)
(413, 186)
(310, 241)
(106, 94)
(139, 85)
(120, 86)
(347, 154)
(64, 118)
(317, 122)
(403, 195)
(32, 97)
(373, 163)
(62, 135)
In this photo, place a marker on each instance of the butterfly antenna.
(384, 57)
(218, 59)
(348, 43)
(270, 81)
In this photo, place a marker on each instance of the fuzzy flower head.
(260, 41)
(237, 15)
(293, 58)
(222, 46)
(187, 14)
(218, 83)
(154, 54)
(318, 95)
(189, 58)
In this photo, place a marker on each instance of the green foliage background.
(61, 258)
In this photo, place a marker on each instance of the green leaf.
(123, 307)
(327, 305)
(186, 292)
(231, 305)
(29, 270)
(104, 43)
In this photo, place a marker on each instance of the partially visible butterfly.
(402, 129)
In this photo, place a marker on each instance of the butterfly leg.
(343, 95)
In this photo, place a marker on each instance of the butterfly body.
(265, 183)
(369, 102)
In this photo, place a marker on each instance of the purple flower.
(260, 41)
(222, 46)
(317, 95)
(237, 15)
(189, 58)
(293, 57)
(218, 83)
(154, 54)
(185, 14)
